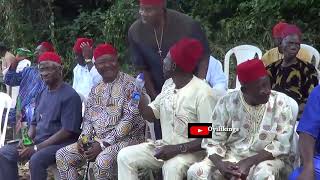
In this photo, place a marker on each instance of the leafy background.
(228, 23)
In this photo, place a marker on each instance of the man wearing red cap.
(30, 84)
(85, 74)
(291, 75)
(184, 99)
(150, 38)
(109, 120)
(42, 48)
(56, 123)
(259, 125)
(276, 53)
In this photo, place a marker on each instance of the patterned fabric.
(265, 127)
(177, 107)
(109, 117)
(268, 126)
(296, 81)
(30, 84)
(105, 166)
(273, 55)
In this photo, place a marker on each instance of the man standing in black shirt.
(151, 37)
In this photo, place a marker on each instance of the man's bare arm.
(306, 147)
(145, 111)
(149, 85)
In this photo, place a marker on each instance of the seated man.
(216, 77)
(262, 124)
(309, 139)
(30, 84)
(56, 123)
(85, 74)
(6, 58)
(291, 75)
(184, 99)
(108, 117)
(276, 53)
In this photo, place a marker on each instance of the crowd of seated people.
(183, 84)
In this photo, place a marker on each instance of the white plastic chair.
(295, 136)
(313, 53)
(242, 53)
(5, 102)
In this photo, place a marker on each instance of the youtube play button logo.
(199, 130)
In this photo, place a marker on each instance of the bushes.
(227, 22)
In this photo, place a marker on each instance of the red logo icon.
(199, 130)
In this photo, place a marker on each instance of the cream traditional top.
(176, 108)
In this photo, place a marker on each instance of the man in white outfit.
(85, 74)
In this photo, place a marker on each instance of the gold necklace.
(159, 45)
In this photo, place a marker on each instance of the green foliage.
(228, 23)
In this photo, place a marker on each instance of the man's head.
(277, 33)
(3, 49)
(151, 11)
(23, 53)
(182, 57)
(77, 49)
(291, 40)
(50, 68)
(106, 62)
(255, 83)
(43, 47)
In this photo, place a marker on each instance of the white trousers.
(132, 158)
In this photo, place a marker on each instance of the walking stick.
(86, 145)
(86, 172)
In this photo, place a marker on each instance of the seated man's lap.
(46, 156)
(142, 156)
(205, 168)
(67, 153)
(109, 154)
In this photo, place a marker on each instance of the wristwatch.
(35, 148)
(183, 148)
